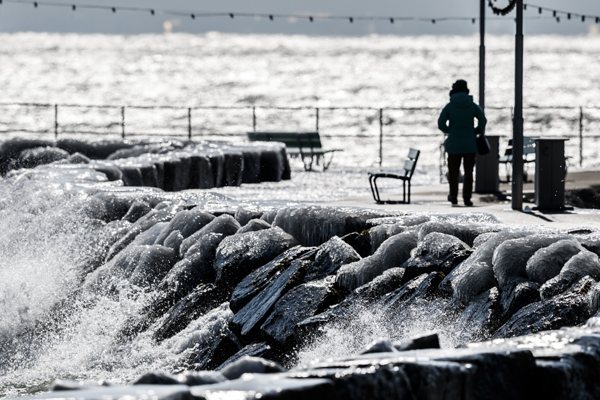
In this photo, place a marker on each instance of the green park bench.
(306, 145)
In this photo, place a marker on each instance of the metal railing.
(420, 121)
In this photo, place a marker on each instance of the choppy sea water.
(229, 70)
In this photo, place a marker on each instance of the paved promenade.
(433, 199)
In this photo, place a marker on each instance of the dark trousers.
(454, 161)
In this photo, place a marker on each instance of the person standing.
(457, 122)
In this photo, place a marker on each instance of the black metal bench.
(405, 175)
(306, 145)
(528, 156)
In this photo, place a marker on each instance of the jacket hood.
(461, 99)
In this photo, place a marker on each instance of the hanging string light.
(291, 17)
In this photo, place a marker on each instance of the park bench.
(528, 157)
(405, 175)
(306, 145)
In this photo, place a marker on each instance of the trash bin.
(486, 168)
(550, 173)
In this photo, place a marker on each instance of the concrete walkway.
(433, 199)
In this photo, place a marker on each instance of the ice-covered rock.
(31, 158)
(392, 253)
(466, 233)
(568, 309)
(254, 225)
(510, 258)
(153, 265)
(136, 211)
(187, 222)
(380, 233)
(243, 215)
(584, 263)
(436, 252)
(547, 262)
(476, 275)
(428, 341)
(224, 224)
(250, 365)
(380, 346)
(330, 256)
(314, 225)
(239, 255)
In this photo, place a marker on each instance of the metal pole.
(317, 118)
(190, 123)
(123, 122)
(254, 119)
(580, 136)
(517, 164)
(380, 136)
(56, 121)
(482, 54)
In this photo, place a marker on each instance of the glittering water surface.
(214, 69)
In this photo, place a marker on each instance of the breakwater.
(107, 281)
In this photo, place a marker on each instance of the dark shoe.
(453, 201)
(468, 203)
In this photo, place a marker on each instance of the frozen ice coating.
(547, 262)
(127, 280)
(510, 258)
(392, 253)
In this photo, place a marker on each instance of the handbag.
(483, 146)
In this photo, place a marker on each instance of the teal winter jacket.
(461, 132)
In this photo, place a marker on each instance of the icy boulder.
(547, 262)
(436, 252)
(331, 256)
(254, 225)
(315, 225)
(239, 255)
(585, 263)
(224, 224)
(153, 265)
(510, 258)
(466, 233)
(31, 158)
(476, 275)
(380, 233)
(392, 253)
(187, 222)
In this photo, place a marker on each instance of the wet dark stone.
(201, 173)
(251, 172)
(209, 357)
(444, 258)
(422, 287)
(254, 225)
(187, 222)
(267, 386)
(203, 299)
(258, 349)
(176, 174)
(217, 162)
(243, 216)
(295, 306)
(272, 168)
(482, 317)
(519, 294)
(156, 378)
(31, 158)
(359, 242)
(568, 309)
(250, 365)
(241, 254)
(149, 175)
(223, 224)
(420, 342)
(286, 174)
(257, 280)
(112, 173)
(380, 346)
(98, 150)
(132, 176)
(331, 255)
(153, 266)
(355, 301)
(380, 382)
(247, 321)
(137, 210)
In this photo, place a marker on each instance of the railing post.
(317, 118)
(380, 136)
(123, 122)
(56, 121)
(580, 136)
(254, 118)
(190, 123)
